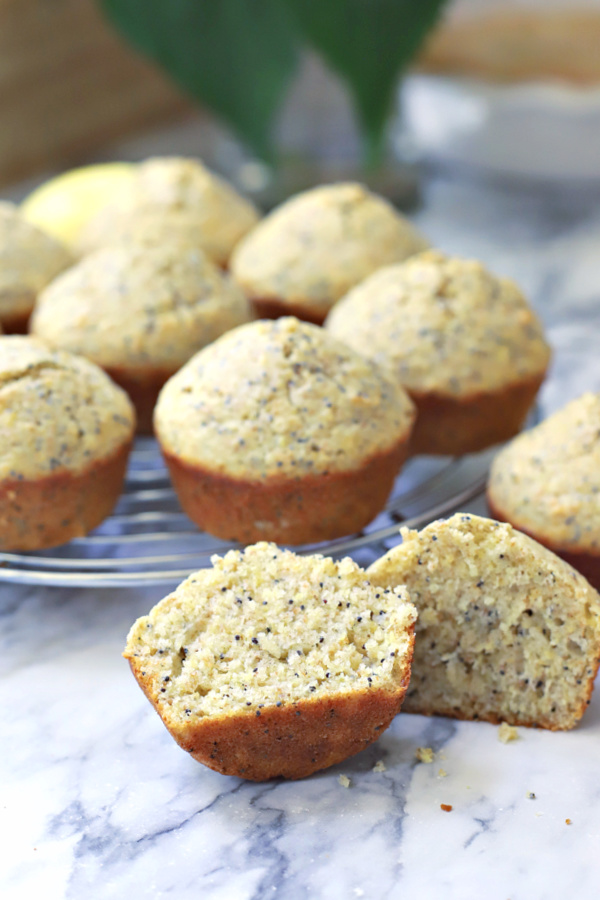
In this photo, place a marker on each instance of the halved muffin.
(546, 482)
(66, 434)
(270, 664)
(463, 343)
(507, 631)
(312, 249)
(278, 431)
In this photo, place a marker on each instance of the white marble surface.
(98, 802)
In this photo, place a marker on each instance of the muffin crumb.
(507, 733)
(424, 754)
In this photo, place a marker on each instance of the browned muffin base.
(448, 426)
(275, 309)
(291, 741)
(585, 562)
(288, 511)
(143, 387)
(35, 515)
(511, 718)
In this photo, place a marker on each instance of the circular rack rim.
(160, 545)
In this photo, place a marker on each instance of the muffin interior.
(267, 628)
(506, 630)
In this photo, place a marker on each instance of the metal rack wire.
(149, 540)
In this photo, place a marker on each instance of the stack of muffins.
(288, 367)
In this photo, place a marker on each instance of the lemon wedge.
(63, 205)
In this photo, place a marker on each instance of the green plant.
(239, 56)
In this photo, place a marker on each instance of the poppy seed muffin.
(271, 664)
(463, 343)
(66, 433)
(507, 631)
(191, 199)
(277, 431)
(312, 249)
(547, 483)
(29, 260)
(140, 313)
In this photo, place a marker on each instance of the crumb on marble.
(531, 795)
(344, 781)
(379, 766)
(568, 822)
(442, 773)
(507, 733)
(447, 807)
(424, 754)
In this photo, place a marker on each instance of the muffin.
(311, 250)
(463, 343)
(189, 199)
(29, 259)
(547, 483)
(140, 313)
(271, 664)
(66, 433)
(277, 431)
(507, 631)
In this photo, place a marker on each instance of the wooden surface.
(68, 85)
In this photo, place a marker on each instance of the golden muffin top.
(139, 306)
(312, 249)
(280, 398)
(547, 480)
(185, 193)
(443, 325)
(58, 412)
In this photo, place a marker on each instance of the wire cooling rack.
(149, 540)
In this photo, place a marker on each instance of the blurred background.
(499, 89)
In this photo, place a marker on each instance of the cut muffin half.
(507, 631)
(271, 664)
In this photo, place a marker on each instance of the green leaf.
(236, 56)
(368, 42)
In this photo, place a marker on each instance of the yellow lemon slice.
(63, 205)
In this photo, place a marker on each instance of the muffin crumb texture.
(272, 664)
(507, 631)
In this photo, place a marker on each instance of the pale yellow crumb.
(379, 766)
(442, 773)
(507, 733)
(344, 781)
(424, 754)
